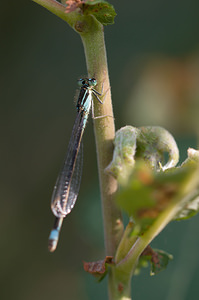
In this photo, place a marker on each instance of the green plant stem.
(120, 288)
(104, 134)
(59, 10)
(53, 6)
(104, 128)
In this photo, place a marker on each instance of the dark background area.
(154, 71)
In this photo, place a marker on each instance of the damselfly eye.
(93, 81)
(81, 81)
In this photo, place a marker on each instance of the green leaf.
(153, 142)
(103, 11)
(148, 193)
(158, 260)
(124, 152)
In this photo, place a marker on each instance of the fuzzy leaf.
(149, 143)
(153, 142)
(193, 154)
(124, 152)
(103, 11)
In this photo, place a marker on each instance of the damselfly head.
(87, 81)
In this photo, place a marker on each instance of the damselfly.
(68, 182)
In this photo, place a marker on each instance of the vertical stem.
(104, 128)
(119, 285)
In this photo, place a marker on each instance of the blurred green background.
(153, 55)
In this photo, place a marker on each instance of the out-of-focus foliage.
(148, 193)
(152, 53)
(166, 93)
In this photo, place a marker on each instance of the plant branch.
(104, 128)
(60, 10)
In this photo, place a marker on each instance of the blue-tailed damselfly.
(68, 182)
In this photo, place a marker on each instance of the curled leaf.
(98, 268)
(103, 11)
(124, 152)
(193, 154)
(157, 140)
(147, 143)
